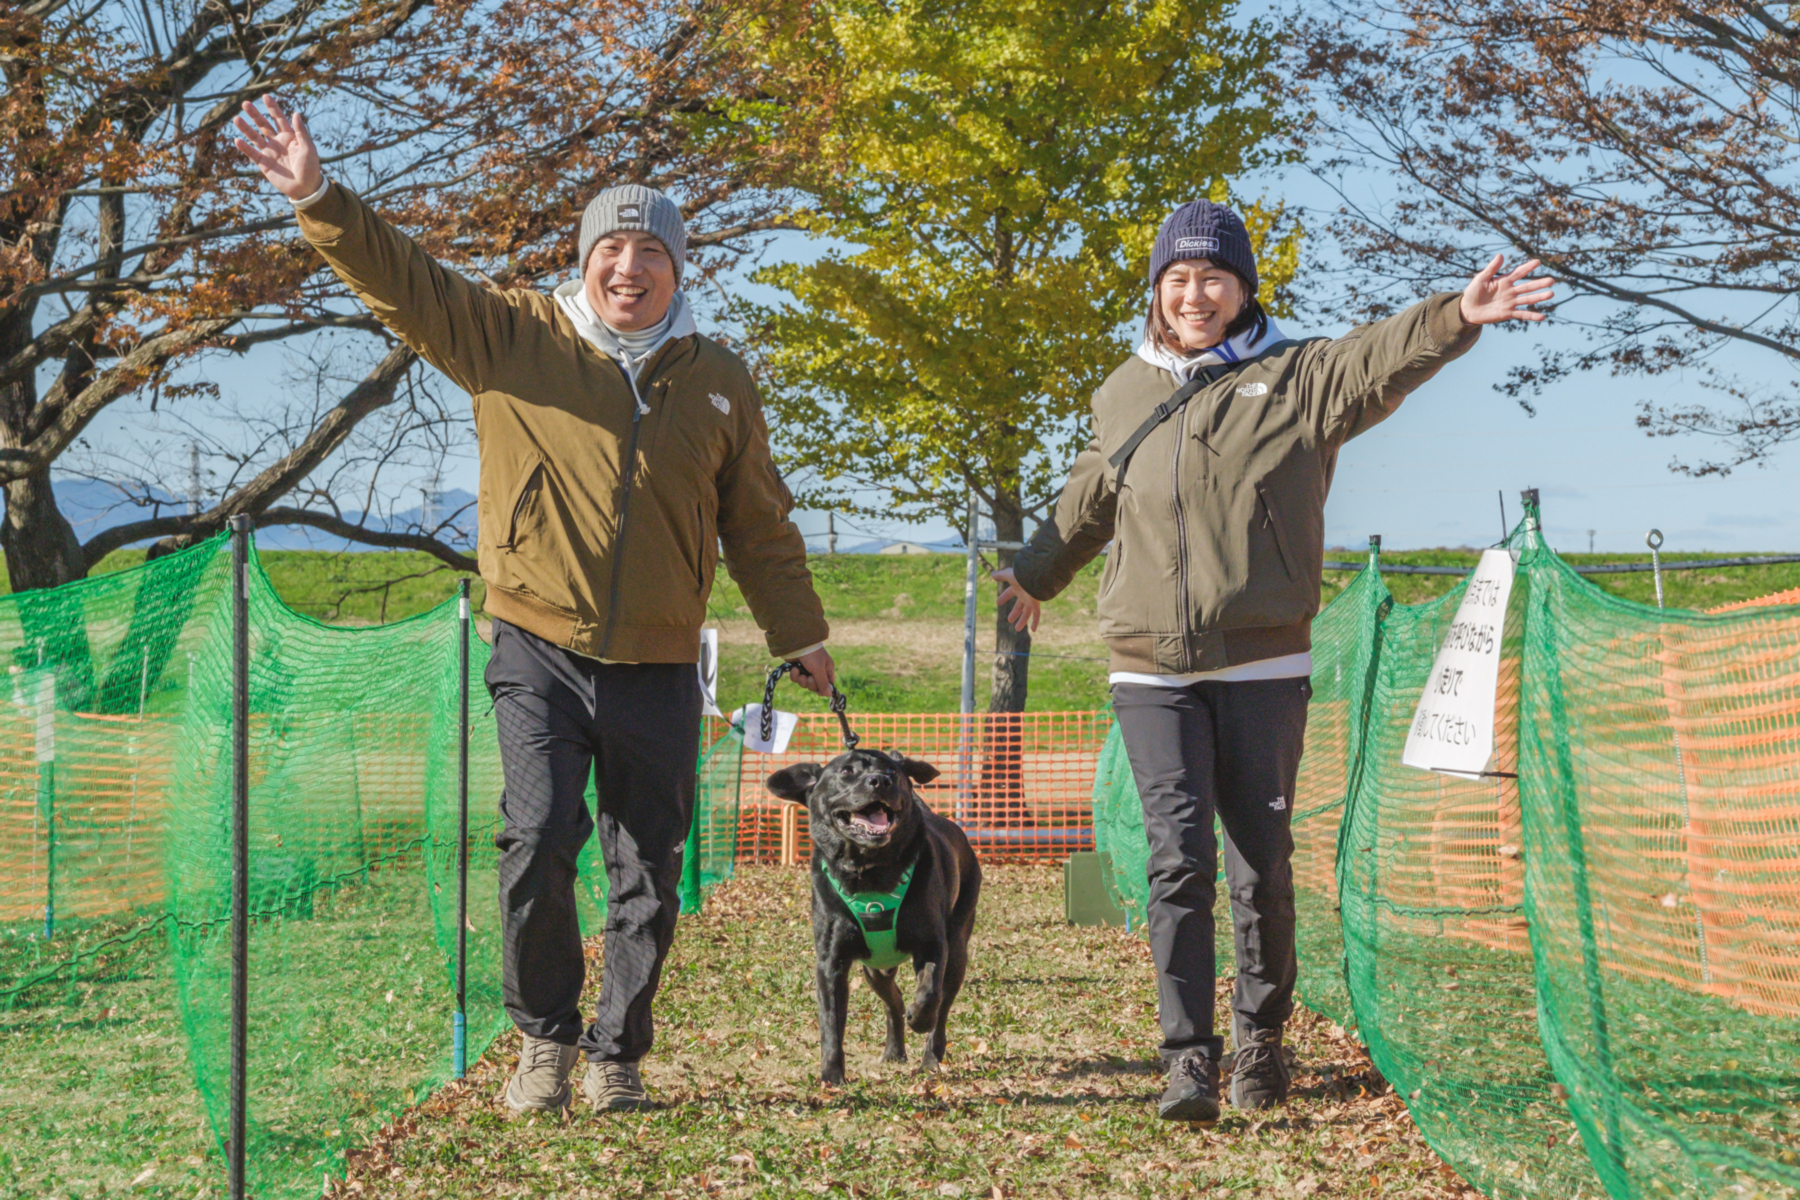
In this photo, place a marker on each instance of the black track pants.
(636, 729)
(1233, 749)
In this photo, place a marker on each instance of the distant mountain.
(93, 506)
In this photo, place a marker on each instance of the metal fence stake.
(459, 1034)
(1654, 540)
(240, 849)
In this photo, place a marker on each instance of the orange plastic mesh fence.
(1020, 784)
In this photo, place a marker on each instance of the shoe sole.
(1196, 1109)
(623, 1104)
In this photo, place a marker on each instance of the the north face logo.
(1197, 243)
(630, 212)
(719, 402)
(1254, 389)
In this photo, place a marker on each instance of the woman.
(1213, 452)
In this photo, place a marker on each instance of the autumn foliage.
(136, 245)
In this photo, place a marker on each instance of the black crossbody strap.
(1162, 412)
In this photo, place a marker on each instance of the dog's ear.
(793, 783)
(918, 772)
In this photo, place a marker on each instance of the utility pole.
(831, 533)
(1590, 541)
(194, 497)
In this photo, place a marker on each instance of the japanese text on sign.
(1453, 727)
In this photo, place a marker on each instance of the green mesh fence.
(115, 879)
(1585, 981)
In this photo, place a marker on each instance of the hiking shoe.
(1259, 1073)
(1193, 1093)
(541, 1082)
(615, 1087)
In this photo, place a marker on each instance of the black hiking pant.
(635, 728)
(1231, 749)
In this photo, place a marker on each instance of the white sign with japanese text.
(1453, 729)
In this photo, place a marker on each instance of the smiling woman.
(1213, 498)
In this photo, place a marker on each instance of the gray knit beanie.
(634, 206)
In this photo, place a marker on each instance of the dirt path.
(1049, 1089)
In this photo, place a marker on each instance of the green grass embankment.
(897, 621)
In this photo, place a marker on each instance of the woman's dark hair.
(1251, 318)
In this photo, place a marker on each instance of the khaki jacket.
(1218, 526)
(599, 530)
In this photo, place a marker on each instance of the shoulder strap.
(1168, 408)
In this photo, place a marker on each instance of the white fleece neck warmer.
(1235, 349)
(630, 349)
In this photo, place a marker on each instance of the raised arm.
(455, 325)
(1354, 383)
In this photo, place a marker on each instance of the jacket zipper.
(1181, 563)
(612, 600)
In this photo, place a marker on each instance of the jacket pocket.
(1115, 566)
(706, 548)
(525, 506)
(1272, 521)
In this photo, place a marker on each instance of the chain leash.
(839, 707)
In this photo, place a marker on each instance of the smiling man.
(620, 449)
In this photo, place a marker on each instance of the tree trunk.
(40, 544)
(41, 548)
(1003, 777)
(1012, 647)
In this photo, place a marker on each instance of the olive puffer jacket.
(600, 525)
(1218, 523)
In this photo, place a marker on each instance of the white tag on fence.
(46, 717)
(709, 673)
(1453, 727)
(751, 716)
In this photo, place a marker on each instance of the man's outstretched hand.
(1492, 297)
(816, 672)
(281, 148)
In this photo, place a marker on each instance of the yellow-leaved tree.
(995, 174)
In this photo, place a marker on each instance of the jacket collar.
(1233, 350)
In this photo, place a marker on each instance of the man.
(619, 449)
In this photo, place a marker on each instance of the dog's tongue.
(875, 819)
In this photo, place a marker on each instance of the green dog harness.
(877, 915)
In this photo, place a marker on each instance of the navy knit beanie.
(1202, 229)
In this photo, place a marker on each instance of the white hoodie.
(631, 350)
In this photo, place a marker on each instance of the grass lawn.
(1048, 1091)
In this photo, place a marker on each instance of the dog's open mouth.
(872, 820)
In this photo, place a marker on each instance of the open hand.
(281, 148)
(1492, 298)
(1026, 608)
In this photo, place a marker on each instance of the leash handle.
(840, 705)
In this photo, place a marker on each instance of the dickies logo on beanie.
(1202, 229)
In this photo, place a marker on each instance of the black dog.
(871, 836)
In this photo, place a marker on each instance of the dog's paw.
(832, 1076)
(894, 1054)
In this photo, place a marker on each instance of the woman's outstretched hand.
(1027, 609)
(1492, 297)
(281, 148)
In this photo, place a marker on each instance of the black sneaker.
(1193, 1093)
(1259, 1073)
